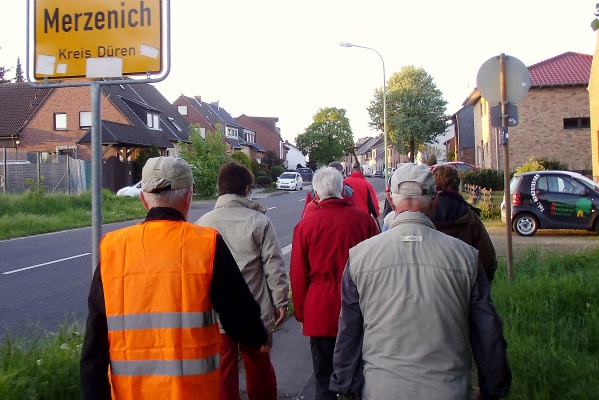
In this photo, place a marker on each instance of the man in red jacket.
(364, 192)
(321, 243)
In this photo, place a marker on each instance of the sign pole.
(506, 166)
(96, 98)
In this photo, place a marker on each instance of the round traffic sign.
(517, 80)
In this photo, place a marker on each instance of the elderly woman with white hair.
(321, 243)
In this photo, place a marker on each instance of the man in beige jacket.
(252, 239)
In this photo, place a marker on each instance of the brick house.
(554, 117)
(267, 133)
(49, 122)
(463, 144)
(209, 115)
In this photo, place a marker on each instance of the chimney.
(198, 98)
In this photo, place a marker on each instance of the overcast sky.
(275, 58)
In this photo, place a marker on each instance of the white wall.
(294, 157)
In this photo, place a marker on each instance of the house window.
(182, 110)
(175, 124)
(153, 120)
(250, 137)
(60, 121)
(577, 123)
(231, 132)
(85, 119)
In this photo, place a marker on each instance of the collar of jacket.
(332, 200)
(356, 175)
(164, 213)
(233, 200)
(408, 217)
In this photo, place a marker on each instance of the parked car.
(461, 166)
(377, 174)
(306, 173)
(131, 191)
(290, 181)
(552, 200)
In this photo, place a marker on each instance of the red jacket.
(361, 189)
(312, 202)
(320, 248)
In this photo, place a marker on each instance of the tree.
(327, 138)
(429, 155)
(242, 159)
(19, 72)
(142, 157)
(205, 156)
(271, 159)
(3, 72)
(415, 110)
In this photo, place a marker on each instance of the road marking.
(46, 263)
(286, 249)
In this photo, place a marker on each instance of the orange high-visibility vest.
(163, 334)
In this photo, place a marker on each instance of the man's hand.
(266, 348)
(280, 314)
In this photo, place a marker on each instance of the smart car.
(290, 181)
(552, 200)
(130, 191)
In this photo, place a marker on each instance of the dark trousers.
(322, 360)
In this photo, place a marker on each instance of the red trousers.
(260, 376)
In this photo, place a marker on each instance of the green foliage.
(205, 156)
(263, 181)
(485, 178)
(242, 159)
(276, 171)
(451, 155)
(551, 324)
(36, 187)
(554, 164)
(36, 212)
(271, 159)
(19, 71)
(531, 165)
(328, 137)
(415, 110)
(489, 211)
(142, 157)
(257, 167)
(44, 367)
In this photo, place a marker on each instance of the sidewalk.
(292, 360)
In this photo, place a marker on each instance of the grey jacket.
(252, 239)
(417, 302)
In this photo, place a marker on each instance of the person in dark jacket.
(455, 217)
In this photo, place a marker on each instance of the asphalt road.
(44, 279)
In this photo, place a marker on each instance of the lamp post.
(386, 161)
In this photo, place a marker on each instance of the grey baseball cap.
(337, 165)
(409, 172)
(165, 173)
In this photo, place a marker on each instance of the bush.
(553, 164)
(531, 165)
(262, 180)
(276, 171)
(486, 178)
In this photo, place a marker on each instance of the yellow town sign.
(93, 38)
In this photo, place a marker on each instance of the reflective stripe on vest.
(165, 367)
(161, 320)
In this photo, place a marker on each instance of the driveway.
(547, 241)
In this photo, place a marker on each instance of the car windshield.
(287, 176)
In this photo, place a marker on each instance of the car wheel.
(525, 225)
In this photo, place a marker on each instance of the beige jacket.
(252, 239)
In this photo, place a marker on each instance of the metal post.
(96, 113)
(506, 167)
(5, 171)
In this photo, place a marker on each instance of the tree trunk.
(412, 150)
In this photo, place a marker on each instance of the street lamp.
(384, 104)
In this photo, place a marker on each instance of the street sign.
(517, 80)
(496, 118)
(97, 38)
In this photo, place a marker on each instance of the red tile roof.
(566, 69)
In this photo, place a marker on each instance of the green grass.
(551, 323)
(36, 212)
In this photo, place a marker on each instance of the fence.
(62, 174)
(478, 194)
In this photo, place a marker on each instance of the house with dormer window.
(210, 115)
(42, 123)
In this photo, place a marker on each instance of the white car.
(290, 181)
(131, 191)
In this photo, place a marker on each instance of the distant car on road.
(130, 191)
(306, 173)
(552, 200)
(459, 165)
(290, 181)
(377, 174)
